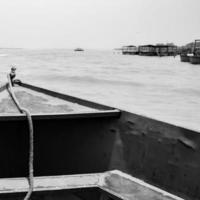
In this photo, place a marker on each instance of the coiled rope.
(31, 136)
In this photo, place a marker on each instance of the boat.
(185, 58)
(85, 150)
(78, 49)
(195, 58)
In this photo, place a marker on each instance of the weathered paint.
(48, 183)
(37, 102)
(113, 184)
(130, 188)
(165, 155)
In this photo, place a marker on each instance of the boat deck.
(38, 103)
(113, 184)
(46, 103)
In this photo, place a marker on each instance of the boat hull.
(195, 59)
(185, 58)
(162, 154)
(129, 53)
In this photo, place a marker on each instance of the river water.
(162, 88)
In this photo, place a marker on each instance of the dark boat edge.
(68, 97)
(194, 59)
(185, 58)
(102, 110)
(162, 154)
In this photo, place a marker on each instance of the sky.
(94, 24)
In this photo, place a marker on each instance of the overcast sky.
(97, 23)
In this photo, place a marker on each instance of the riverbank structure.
(166, 49)
(130, 50)
(147, 50)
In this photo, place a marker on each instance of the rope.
(31, 138)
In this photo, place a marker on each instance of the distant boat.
(195, 59)
(78, 49)
(185, 58)
(194, 56)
